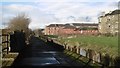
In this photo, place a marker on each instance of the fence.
(95, 57)
(0, 50)
(5, 43)
(102, 59)
(12, 44)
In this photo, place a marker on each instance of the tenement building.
(109, 23)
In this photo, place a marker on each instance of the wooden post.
(7, 44)
(106, 60)
(94, 54)
(97, 58)
(90, 54)
(78, 50)
(75, 49)
(71, 48)
(65, 46)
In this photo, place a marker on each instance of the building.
(85, 25)
(71, 28)
(68, 29)
(109, 22)
(53, 29)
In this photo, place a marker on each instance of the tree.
(20, 22)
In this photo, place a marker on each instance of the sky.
(44, 12)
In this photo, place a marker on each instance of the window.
(109, 25)
(108, 19)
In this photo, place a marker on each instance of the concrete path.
(42, 54)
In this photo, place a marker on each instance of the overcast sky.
(44, 12)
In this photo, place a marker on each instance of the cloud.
(64, 10)
(37, 16)
(57, 11)
(60, 0)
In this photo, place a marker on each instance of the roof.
(69, 27)
(84, 24)
(115, 12)
(112, 13)
(67, 24)
(53, 25)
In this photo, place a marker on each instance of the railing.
(5, 42)
(12, 44)
(0, 50)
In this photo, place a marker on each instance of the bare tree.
(20, 22)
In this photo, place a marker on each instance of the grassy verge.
(52, 36)
(98, 43)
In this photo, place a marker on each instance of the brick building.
(53, 29)
(70, 29)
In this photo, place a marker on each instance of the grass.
(99, 43)
(52, 36)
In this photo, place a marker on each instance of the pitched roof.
(53, 25)
(84, 24)
(113, 12)
(69, 27)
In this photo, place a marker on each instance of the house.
(109, 23)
